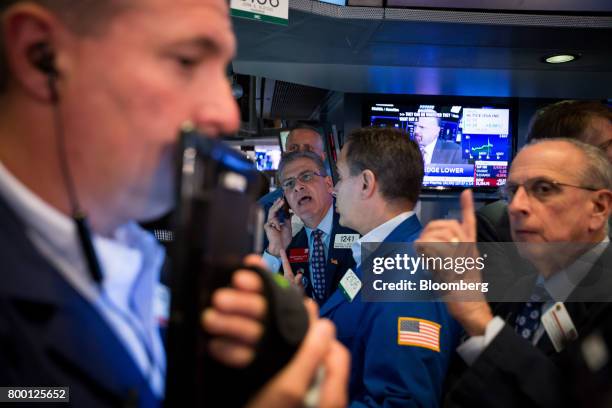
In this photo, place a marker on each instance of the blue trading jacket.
(384, 373)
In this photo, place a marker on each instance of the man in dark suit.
(301, 138)
(400, 350)
(587, 121)
(78, 134)
(320, 253)
(560, 195)
(434, 149)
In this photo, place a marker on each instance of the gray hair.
(293, 156)
(597, 171)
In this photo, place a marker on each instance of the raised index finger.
(468, 217)
(287, 270)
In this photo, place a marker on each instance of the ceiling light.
(560, 58)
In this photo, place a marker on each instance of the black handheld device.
(216, 224)
(283, 213)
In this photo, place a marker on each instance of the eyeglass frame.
(299, 177)
(508, 197)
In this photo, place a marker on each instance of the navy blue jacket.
(51, 336)
(384, 373)
(266, 202)
(338, 260)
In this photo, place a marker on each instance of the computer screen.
(463, 144)
(267, 157)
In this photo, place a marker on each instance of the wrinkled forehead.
(297, 167)
(193, 16)
(555, 160)
(428, 121)
(304, 136)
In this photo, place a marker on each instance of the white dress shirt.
(379, 234)
(130, 262)
(428, 152)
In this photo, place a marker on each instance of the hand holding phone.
(279, 234)
(283, 213)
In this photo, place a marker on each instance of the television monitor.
(464, 144)
(267, 157)
(283, 135)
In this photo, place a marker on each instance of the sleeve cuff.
(274, 263)
(473, 347)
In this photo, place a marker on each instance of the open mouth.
(304, 200)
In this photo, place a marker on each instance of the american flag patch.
(418, 332)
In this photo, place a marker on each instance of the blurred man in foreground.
(92, 95)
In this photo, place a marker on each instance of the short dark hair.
(293, 156)
(395, 160)
(566, 119)
(81, 16)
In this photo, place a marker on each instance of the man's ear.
(29, 42)
(601, 208)
(329, 183)
(369, 183)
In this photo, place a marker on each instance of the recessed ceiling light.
(560, 58)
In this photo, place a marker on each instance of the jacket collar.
(407, 231)
(73, 333)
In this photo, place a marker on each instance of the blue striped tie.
(317, 265)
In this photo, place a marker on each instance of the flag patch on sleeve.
(418, 332)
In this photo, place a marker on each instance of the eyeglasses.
(539, 188)
(305, 177)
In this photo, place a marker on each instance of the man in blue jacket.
(400, 351)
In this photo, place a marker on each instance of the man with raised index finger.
(560, 198)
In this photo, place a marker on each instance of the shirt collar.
(560, 285)
(326, 223)
(379, 233)
(122, 257)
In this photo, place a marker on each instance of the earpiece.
(43, 58)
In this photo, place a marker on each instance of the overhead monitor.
(465, 143)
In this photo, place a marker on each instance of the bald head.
(561, 192)
(306, 140)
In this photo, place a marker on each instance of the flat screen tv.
(267, 157)
(465, 143)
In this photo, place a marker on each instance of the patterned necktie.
(317, 264)
(528, 320)
(423, 153)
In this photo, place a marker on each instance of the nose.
(216, 111)
(298, 185)
(520, 204)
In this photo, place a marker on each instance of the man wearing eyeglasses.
(560, 197)
(319, 254)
